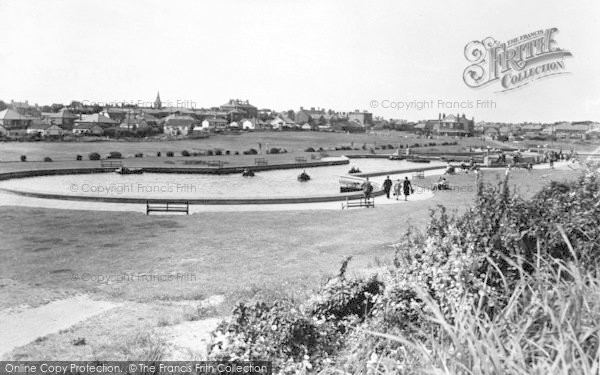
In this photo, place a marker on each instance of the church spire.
(157, 102)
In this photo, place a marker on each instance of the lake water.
(267, 184)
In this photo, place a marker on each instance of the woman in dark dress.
(407, 187)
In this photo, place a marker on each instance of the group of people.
(400, 186)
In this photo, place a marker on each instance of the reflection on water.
(267, 184)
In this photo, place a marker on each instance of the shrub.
(115, 155)
(341, 298)
(218, 152)
(511, 285)
(309, 149)
(185, 153)
(250, 152)
(236, 153)
(79, 157)
(170, 154)
(274, 150)
(209, 152)
(94, 156)
(158, 154)
(279, 332)
(47, 159)
(23, 158)
(227, 152)
(139, 155)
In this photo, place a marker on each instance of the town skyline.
(346, 55)
(191, 105)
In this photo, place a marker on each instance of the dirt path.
(188, 341)
(18, 328)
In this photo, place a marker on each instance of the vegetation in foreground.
(511, 286)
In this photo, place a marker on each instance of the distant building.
(157, 102)
(241, 108)
(215, 124)
(12, 123)
(96, 119)
(311, 116)
(63, 118)
(45, 128)
(178, 125)
(568, 130)
(364, 118)
(88, 128)
(452, 125)
(491, 131)
(348, 127)
(248, 124)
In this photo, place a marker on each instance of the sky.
(344, 55)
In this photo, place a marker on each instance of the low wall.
(211, 201)
(398, 171)
(187, 170)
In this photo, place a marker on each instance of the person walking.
(387, 186)
(397, 188)
(407, 187)
(367, 188)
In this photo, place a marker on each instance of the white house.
(88, 128)
(45, 129)
(248, 124)
(214, 124)
(177, 125)
(277, 123)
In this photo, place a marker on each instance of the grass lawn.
(294, 142)
(244, 256)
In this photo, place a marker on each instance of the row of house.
(578, 129)
(81, 119)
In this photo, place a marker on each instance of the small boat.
(247, 173)
(303, 177)
(397, 157)
(354, 170)
(418, 160)
(125, 170)
(350, 184)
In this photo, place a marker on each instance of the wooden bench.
(111, 163)
(361, 202)
(169, 206)
(419, 174)
(260, 161)
(300, 159)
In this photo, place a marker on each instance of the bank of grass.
(246, 256)
(293, 142)
(509, 287)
